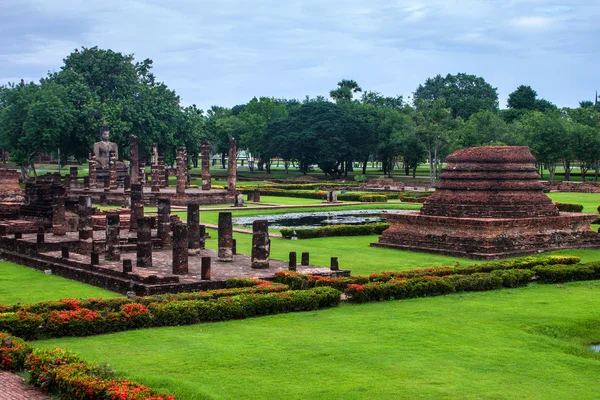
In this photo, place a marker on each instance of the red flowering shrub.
(62, 373)
(80, 322)
(13, 354)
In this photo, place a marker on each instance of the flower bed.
(299, 281)
(84, 322)
(235, 287)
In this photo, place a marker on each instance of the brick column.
(181, 169)
(59, 227)
(206, 184)
(137, 205)
(134, 159)
(112, 166)
(86, 233)
(92, 170)
(163, 228)
(180, 249)
(113, 252)
(225, 252)
(261, 245)
(193, 223)
(144, 243)
(232, 165)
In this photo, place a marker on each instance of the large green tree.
(464, 94)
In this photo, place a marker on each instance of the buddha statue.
(103, 148)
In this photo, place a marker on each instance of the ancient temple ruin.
(489, 204)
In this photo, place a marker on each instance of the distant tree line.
(66, 109)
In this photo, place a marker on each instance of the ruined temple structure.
(489, 204)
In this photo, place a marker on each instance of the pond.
(317, 219)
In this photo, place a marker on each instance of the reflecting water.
(316, 219)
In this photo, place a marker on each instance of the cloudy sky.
(226, 52)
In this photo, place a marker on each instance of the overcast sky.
(226, 52)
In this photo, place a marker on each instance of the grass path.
(519, 343)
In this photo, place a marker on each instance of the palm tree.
(345, 90)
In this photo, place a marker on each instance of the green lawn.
(20, 284)
(526, 343)
(589, 201)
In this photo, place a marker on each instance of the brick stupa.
(489, 204)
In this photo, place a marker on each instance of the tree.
(257, 114)
(483, 128)
(523, 98)
(345, 90)
(34, 120)
(548, 137)
(317, 133)
(434, 123)
(464, 94)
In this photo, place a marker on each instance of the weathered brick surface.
(489, 204)
(12, 387)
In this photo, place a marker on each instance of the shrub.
(246, 286)
(13, 355)
(335, 230)
(566, 207)
(62, 373)
(566, 273)
(373, 198)
(84, 322)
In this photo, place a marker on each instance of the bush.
(336, 230)
(566, 207)
(84, 322)
(373, 198)
(64, 374)
(13, 355)
(566, 273)
(235, 288)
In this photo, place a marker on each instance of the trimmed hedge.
(373, 198)
(567, 273)
(236, 287)
(298, 281)
(335, 230)
(566, 207)
(425, 286)
(84, 322)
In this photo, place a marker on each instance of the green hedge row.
(426, 286)
(335, 230)
(300, 281)
(566, 207)
(236, 287)
(84, 322)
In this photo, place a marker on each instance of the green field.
(527, 343)
(20, 284)
(589, 201)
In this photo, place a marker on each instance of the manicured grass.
(590, 201)
(526, 343)
(19, 284)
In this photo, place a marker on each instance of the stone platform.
(488, 238)
(121, 197)
(143, 281)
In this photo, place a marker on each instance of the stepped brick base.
(488, 238)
